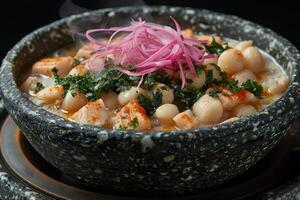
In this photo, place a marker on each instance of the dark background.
(19, 18)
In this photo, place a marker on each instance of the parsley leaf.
(253, 87)
(94, 85)
(152, 79)
(215, 48)
(185, 97)
(39, 86)
(150, 105)
(134, 123)
(214, 92)
(232, 85)
(144, 102)
(76, 62)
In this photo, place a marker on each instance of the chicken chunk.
(73, 102)
(93, 113)
(85, 52)
(210, 38)
(45, 66)
(187, 33)
(185, 120)
(230, 100)
(132, 116)
(78, 70)
(51, 94)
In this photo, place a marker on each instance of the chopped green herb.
(224, 76)
(39, 86)
(157, 99)
(164, 88)
(76, 62)
(76, 83)
(199, 69)
(185, 97)
(214, 92)
(209, 78)
(54, 70)
(253, 87)
(134, 123)
(199, 95)
(216, 67)
(189, 81)
(73, 91)
(152, 79)
(122, 127)
(215, 47)
(94, 85)
(144, 102)
(150, 105)
(232, 85)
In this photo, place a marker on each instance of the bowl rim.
(219, 130)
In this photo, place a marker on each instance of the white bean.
(276, 84)
(208, 110)
(185, 120)
(110, 100)
(231, 61)
(73, 103)
(254, 60)
(166, 112)
(281, 84)
(241, 46)
(167, 93)
(126, 96)
(244, 110)
(45, 66)
(244, 75)
(51, 94)
(198, 80)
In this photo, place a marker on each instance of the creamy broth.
(226, 87)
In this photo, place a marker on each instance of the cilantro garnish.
(215, 48)
(253, 87)
(39, 87)
(134, 123)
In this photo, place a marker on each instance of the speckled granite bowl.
(152, 163)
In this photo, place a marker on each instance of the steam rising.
(69, 8)
(77, 29)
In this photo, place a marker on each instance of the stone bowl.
(158, 162)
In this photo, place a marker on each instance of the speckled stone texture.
(152, 163)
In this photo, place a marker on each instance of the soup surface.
(152, 77)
